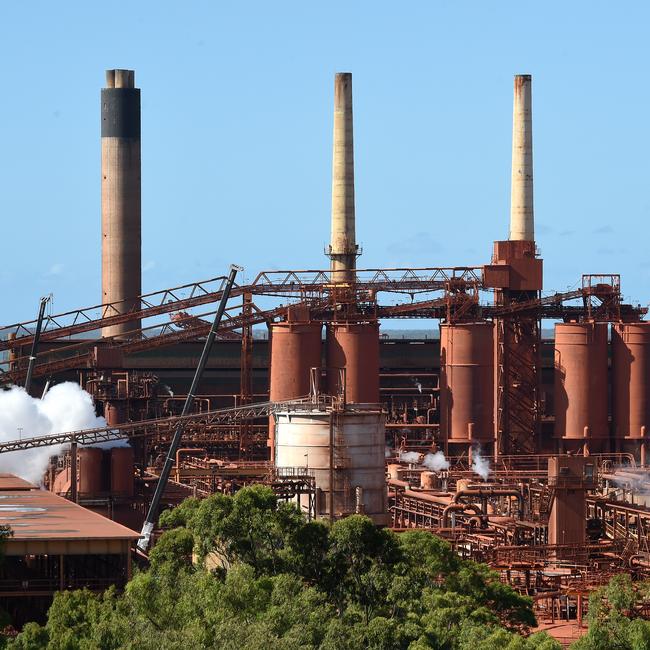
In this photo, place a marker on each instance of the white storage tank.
(358, 434)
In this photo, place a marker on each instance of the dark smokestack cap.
(120, 105)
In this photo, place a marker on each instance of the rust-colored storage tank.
(467, 382)
(570, 477)
(122, 459)
(295, 350)
(581, 381)
(355, 347)
(630, 379)
(114, 413)
(90, 471)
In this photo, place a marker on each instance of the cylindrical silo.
(357, 440)
(581, 381)
(122, 459)
(115, 412)
(354, 347)
(295, 350)
(90, 471)
(631, 380)
(121, 203)
(467, 382)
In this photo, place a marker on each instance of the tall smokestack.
(343, 246)
(522, 223)
(121, 227)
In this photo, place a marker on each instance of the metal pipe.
(147, 527)
(458, 507)
(483, 493)
(74, 491)
(442, 500)
(331, 467)
(359, 500)
(522, 224)
(189, 451)
(399, 484)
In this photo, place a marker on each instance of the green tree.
(181, 515)
(284, 583)
(32, 637)
(612, 622)
(361, 558)
(250, 527)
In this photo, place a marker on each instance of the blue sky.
(237, 120)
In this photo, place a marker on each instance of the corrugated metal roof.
(11, 482)
(39, 514)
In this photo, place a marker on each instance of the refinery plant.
(525, 451)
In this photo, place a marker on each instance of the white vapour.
(65, 407)
(436, 462)
(480, 465)
(388, 452)
(410, 457)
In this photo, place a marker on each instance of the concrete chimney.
(343, 246)
(121, 211)
(522, 223)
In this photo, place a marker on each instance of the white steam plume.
(410, 457)
(436, 462)
(480, 465)
(65, 407)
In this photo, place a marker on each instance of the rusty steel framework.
(313, 288)
(483, 525)
(517, 316)
(518, 379)
(156, 427)
(302, 284)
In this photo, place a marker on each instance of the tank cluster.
(98, 474)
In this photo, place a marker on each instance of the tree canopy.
(246, 572)
(614, 617)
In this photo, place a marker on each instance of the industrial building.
(55, 544)
(525, 452)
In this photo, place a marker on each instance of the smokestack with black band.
(343, 246)
(522, 223)
(121, 205)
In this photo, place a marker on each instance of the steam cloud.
(625, 482)
(411, 457)
(65, 407)
(436, 462)
(480, 465)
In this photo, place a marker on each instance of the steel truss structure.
(460, 288)
(155, 427)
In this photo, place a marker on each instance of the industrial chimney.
(121, 227)
(522, 226)
(521, 280)
(343, 247)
